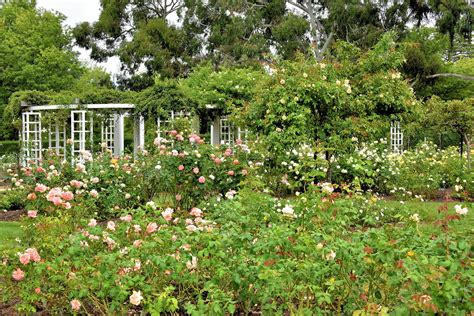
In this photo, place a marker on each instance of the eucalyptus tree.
(141, 33)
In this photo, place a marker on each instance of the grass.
(428, 211)
(9, 231)
(429, 214)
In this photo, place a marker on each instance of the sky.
(77, 11)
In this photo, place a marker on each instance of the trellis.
(165, 123)
(107, 133)
(57, 138)
(396, 137)
(226, 132)
(81, 128)
(31, 137)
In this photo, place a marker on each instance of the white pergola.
(396, 137)
(80, 131)
(77, 130)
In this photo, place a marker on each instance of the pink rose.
(75, 305)
(40, 169)
(18, 274)
(236, 162)
(167, 214)
(24, 258)
(228, 152)
(231, 173)
(151, 228)
(126, 218)
(92, 223)
(202, 179)
(173, 132)
(217, 161)
(181, 168)
(137, 243)
(56, 201)
(33, 253)
(40, 188)
(75, 183)
(31, 196)
(32, 214)
(196, 212)
(196, 170)
(67, 196)
(37, 290)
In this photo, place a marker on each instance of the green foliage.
(305, 102)
(227, 89)
(318, 253)
(164, 96)
(455, 88)
(36, 52)
(9, 147)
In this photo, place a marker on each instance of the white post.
(212, 133)
(118, 134)
(138, 135)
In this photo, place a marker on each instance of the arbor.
(35, 53)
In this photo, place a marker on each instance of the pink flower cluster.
(59, 197)
(76, 184)
(30, 254)
(193, 139)
(167, 214)
(41, 188)
(18, 275)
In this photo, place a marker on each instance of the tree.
(453, 17)
(35, 53)
(139, 32)
(456, 116)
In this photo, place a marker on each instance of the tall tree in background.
(454, 17)
(35, 53)
(244, 31)
(139, 32)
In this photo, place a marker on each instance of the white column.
(118, 134)
(138, 135)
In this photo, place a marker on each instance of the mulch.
(11, 216)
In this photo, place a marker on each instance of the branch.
(302, 8)
(459, 76)
(326, 45)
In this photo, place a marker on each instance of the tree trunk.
(468, 151)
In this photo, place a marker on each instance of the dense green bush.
(9, 147)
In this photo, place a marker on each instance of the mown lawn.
(429, 214)
(9, 231)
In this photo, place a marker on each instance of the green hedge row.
(9, 146)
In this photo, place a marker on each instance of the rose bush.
(319, 252)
